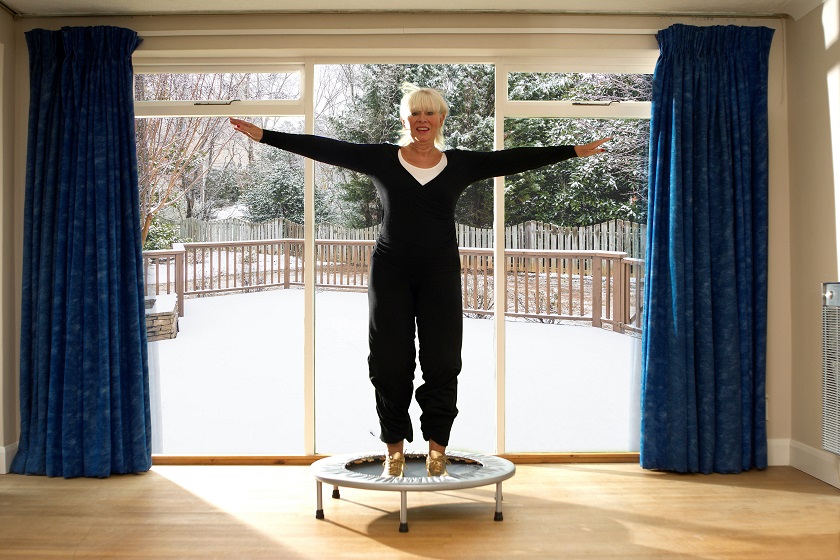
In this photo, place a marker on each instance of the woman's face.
(424, 125)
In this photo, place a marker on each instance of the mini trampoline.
(364, 471)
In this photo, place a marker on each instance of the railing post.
(287, 264)
(597, 287)
(621, 290)
(180, 279)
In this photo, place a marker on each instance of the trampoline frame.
(335, 470)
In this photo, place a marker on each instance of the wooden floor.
(550, 511)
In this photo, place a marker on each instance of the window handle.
(228, 102)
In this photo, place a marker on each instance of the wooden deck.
(599, 288)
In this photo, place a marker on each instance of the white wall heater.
(831, 367)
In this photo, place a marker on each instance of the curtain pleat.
(704, 335)
(84, 367)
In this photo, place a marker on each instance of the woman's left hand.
(592, 148)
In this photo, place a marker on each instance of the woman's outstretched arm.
(357, 157)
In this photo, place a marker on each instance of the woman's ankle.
(435, 446)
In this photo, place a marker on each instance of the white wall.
(813, 56)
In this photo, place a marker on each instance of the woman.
(415, 267)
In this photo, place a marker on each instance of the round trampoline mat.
(465, 470)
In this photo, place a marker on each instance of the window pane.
(231, 381)
(572, 387)
(249, 86)
(359, 103)
(547, 86)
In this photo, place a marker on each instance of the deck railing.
(603, 288)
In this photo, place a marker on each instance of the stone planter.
(161, 317)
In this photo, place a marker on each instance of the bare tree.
(176, 154)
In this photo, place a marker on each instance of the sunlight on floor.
(568, 511)
(231, 489)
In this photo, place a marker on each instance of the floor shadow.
(557, 511)
(598, 520)
(461, 525)
(124, 516)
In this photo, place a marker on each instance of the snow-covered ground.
(232, 382)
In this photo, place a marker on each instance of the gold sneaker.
(436, 463)
(394, 465)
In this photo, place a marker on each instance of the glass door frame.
(505, 109)
(305, 107)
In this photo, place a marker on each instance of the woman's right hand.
(592, 148)
(252, 131)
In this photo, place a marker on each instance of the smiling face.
(422, 113)
(424, 125)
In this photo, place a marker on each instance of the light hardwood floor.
(550, 511)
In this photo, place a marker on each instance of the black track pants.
(397, 298)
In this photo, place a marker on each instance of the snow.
(232, 382)
(228, 212)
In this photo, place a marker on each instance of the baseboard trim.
(236, 460)
(7, 453)
(818, 463)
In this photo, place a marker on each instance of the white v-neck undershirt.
(423, 174)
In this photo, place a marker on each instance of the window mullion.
(499, 272)
(308, 94)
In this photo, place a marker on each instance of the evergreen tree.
(580, 192)
(275, 188)
(586, 191)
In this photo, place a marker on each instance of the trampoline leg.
(403, 512)
(336, 494)
(319, 505)
(498, 516)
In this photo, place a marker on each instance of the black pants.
(399, 296)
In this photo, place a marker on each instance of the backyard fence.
(615, 235)
(234, 229)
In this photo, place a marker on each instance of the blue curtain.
(704, 337)
(84, 386)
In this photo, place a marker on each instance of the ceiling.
(46, 8)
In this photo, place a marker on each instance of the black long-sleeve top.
(419, 220)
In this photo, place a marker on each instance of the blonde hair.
(421, 99)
